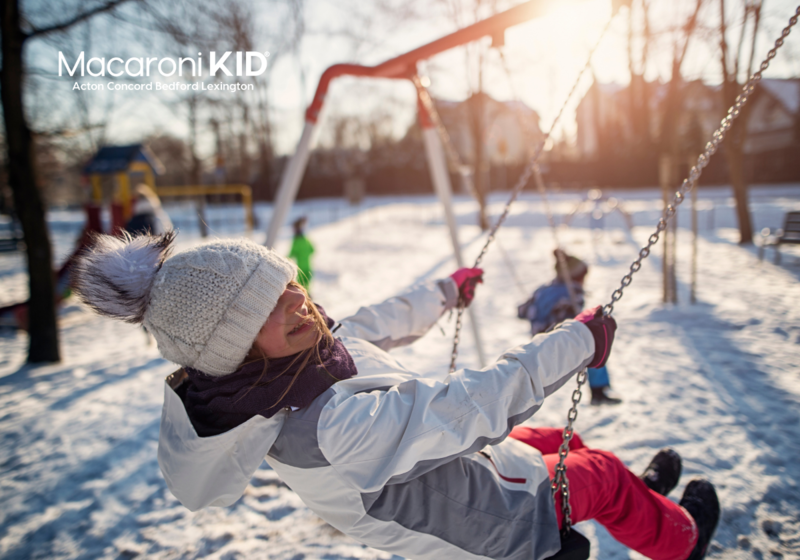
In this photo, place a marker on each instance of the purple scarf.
(217, 404)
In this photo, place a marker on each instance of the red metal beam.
(405, 65)
(312, 113)
(396, 67)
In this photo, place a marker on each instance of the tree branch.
(691, 24)
(757, 20)
(64, 25)
(723, 46)
(737, 60)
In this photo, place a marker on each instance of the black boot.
(700, 500)
(600, 396)
(663, 472)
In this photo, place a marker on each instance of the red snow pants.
(603, 489)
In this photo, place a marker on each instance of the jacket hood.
(210, 471)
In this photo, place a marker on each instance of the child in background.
(427, 466)
(301, 252)
(148, 214)
(551, 304)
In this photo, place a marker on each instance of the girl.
(419, 466)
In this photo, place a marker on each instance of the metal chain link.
(702, 161)
(457, 335)
(523, 179)
(560, 482)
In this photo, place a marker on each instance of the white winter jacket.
(415, 465)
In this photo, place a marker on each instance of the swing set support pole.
(437, 164)
(290, 183)
(693, 293)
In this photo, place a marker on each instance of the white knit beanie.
(204, 306)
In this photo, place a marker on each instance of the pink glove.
(602, 328)
(466, 279)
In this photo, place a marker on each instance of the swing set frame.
(403, 67)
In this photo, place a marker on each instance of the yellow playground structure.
(113, 170)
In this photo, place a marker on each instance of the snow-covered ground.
(717, 380)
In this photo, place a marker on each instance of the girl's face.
(290, 328)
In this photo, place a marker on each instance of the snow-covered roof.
(785, 91)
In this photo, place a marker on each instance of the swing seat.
(573, 547)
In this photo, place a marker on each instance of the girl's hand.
(603, 328)
(466, 279)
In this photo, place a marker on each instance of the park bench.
(790, 234)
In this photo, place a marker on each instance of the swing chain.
(457, 335)
(532, 165)
(560, 482)
(524, 178)
(702, 161)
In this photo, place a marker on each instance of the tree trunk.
(734, 154)
(265, 149)
(734, 143)
(42, 328)
(673, 102)
(244, 153)
(200, 201)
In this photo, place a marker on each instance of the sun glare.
(573, 29)
(548, 53)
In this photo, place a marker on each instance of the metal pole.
(693, 292)
(666, 171)
(290, 183)
(441, 184)
(673, 261)
(663, 171)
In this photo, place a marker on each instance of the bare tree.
(463, 13)
(69, 126)
(734, 142)
(237, 29)
(672, 105)
(190, 28)
(79, 132)
(173, 152)
(240, 124)
(22, 170)
(639, 90)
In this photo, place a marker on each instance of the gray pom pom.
(115, 275)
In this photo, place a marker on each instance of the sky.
(544, 56)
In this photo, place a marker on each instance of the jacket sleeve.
(394, 434)
(401, 320)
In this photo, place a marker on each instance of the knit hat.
(576, 268)
(204, 306)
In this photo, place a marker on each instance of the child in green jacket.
(301, 252)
